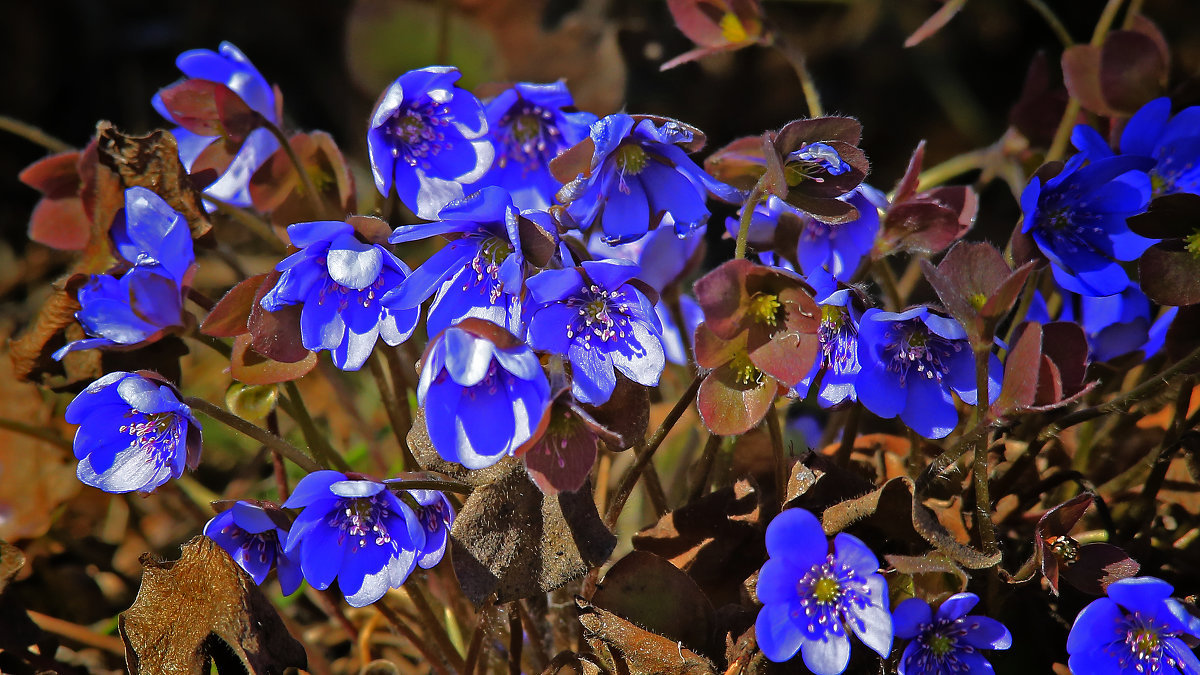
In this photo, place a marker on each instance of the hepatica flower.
(354, 530)
(910, 362)
(427, 138)
(1114, 324)
(600, 321)
(479, 273)
(147, 300)
(1077, 219)
(814, 598)
(638, 176)
(531, 124)
(437, 516)
(255, 542)
(134, 433)
(230, 67)
(340, 282)
(948, 642)
(1136, 629)
(837, 365)
(1173, 142)
(484, 393)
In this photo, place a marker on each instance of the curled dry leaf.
(204, 609)
(634, 650)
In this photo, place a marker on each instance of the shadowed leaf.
(1021, 372)
(249, 367)
(1170, 273)
(634, 650)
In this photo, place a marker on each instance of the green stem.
(646, 452)
(317, 442)
(32, 134)
(433, 627)
(1052, 20)
(255, 432)
(39, 432)
(257, 226)
(800, 64)
(310, 190)
(756, 193)
(983, 501)
(953, 167)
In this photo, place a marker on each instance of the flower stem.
(41, 433)
(646, 452)
(32, 134)
(756, 194)
(1062, 136)
(475, 648)
(983, 502)
(800, 64)
(294, 407)
(256, 225)
(433, 627)
(849, 434)
(1052, 20)
(703, 469)
(433, 659)
(883, 274)
(310, 190)
(251, 430)
(397, 414)
(781, 464)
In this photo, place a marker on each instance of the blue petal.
(1095, 663)
(99, 393)
(485, 427)
(356, 488)
(321, 326)
(363, 577)
(303, 235)
(610, 274)
(777, 634)
(352, 263)
(930, 409)
(876, 629)
(777, 581)
(548, 328)
(441, 418)
(957, 605)
(1140, 594)
(530, 402)
(851, 551)
(909, 616)
(1185, 657)
(878, 388)
(1097, 626)
(827, 656)
(593, 379)
(234, 185)
(626, 214)
(321, 555)
(425, 279)
(553, 285)
(1143, 130)
(796, 536)
(986, 633)
(312, 487)
(468, 358)
(641, 357)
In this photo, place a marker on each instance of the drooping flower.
(436, 514)
(1136, 629)
(599, 320)
(254, 540)
(638, 176)
(340, 282)
(427, 138)
(911, 361)
(948, 642)
(1114, 324)
(134, 433)
(481, 271)
(531, 124)
(837, 365)
(484, 393)
(814, 597)
(230, 67)
(354, 530)
(147, 300)
(1172, 141)
(1077, 219)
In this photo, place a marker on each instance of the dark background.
(65, 65)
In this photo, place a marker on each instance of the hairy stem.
(397, 413)
(310, 190)
(983, 501)
(316, 440)
(255, 432)
(432, 658)
(756, 194)
(33, 134)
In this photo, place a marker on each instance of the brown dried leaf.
(246, 365)
(634, 650)
(634, 588)
(511, 540)
(203, 608)
(30, 353)
(229, 317)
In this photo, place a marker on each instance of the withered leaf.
(634, 650)
(939, 575)
(634, 588)
(203, 608)
(514, 541)
(246, 365)
(230, 315)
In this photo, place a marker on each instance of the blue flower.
(134, 433)
(340, 281)
(910, 362)
(1114, 324)
(673, 335)
(595, 317)
(230, 67)
(427, 138)
(479, 273)
(1077, 219)
(947, 643)
(355, 530)
(484, 393)
(1173, 142)
(812, 598)
(639, 177)
(147, 300)
(437, 516)
(662, 255)
(1136, 629)
(530, 124)
(255, 542)
(837, 364)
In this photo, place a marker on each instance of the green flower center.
(827, 590)
(832, 316)
(526, 128)
(1145, 642)
(495, 250)
(765, 308)
(631, 159)
(1192, 243)
(978, 300)
(940, 645)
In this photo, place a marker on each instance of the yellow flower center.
(732, 28)
(744, 371)
(765, 308)
(631, 159)
(826, 590)
(1192, 242)
(940, 645)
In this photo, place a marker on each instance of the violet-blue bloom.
(1114, 324)
(147, 300)
(639, 176)
(837, 365)
(948, 642)
(484, 396)
(354, 530)
(255, 542)
(437, 517)
(910, 363)
(1173, 142)
(427, 138)
(599, 321)
(340, 282)
(1136, 629)
(813, 598)
(662, 254)
(1077, 220)
(531, 124)
(134, 433)
(479, 273)
(230, 67)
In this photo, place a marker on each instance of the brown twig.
(433, 659)
(76, 633)
(253, 431)
(33, 134)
